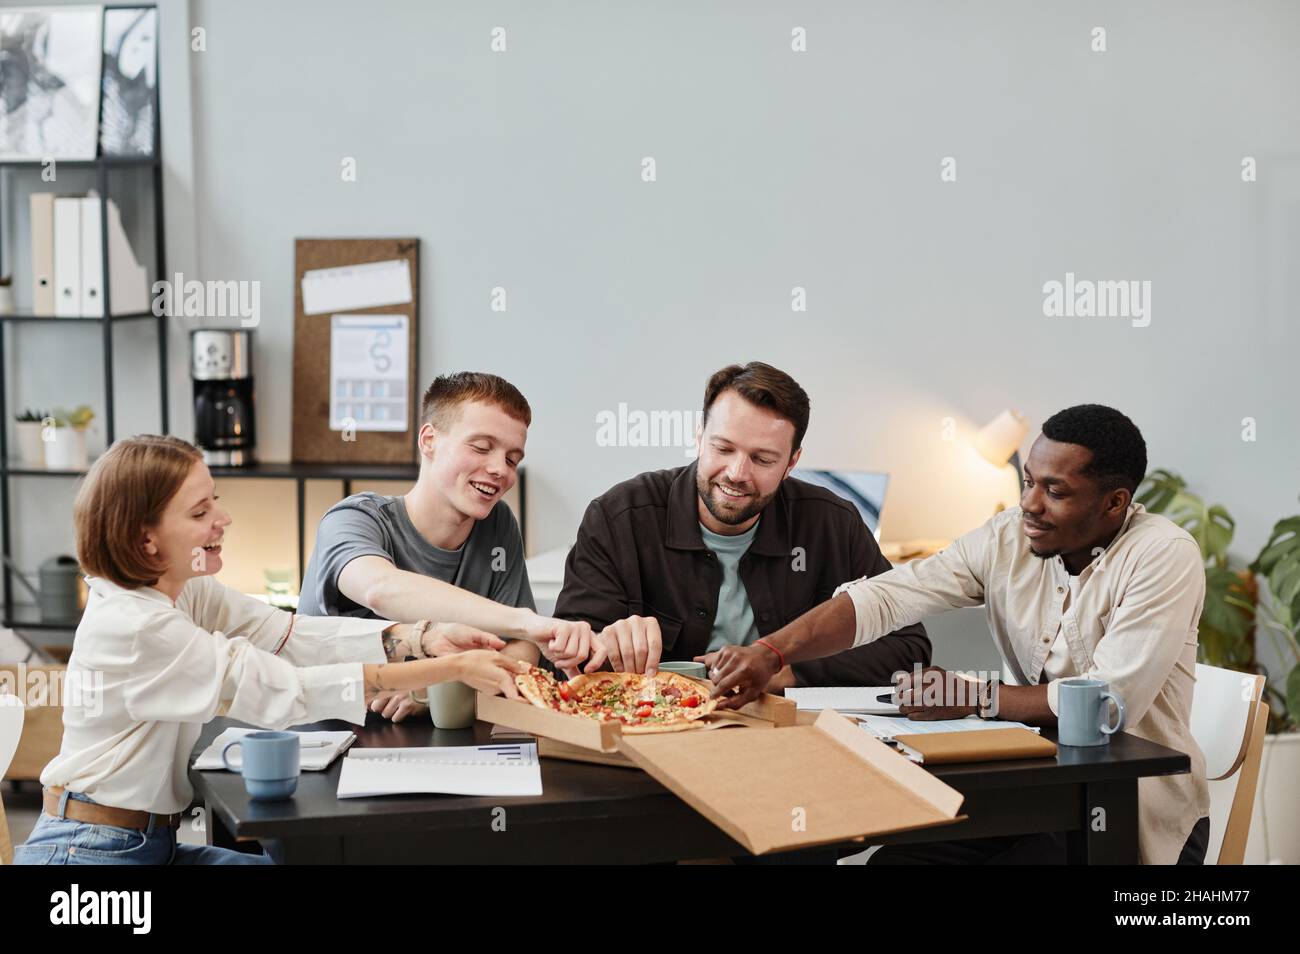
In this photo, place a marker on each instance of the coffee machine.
(221, 365)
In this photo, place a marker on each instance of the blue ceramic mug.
(271, 764)
(1083, 714)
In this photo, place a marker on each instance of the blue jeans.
(58, 840)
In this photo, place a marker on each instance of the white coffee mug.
(451, 705)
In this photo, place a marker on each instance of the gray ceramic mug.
(1083, 714)
(451, 705)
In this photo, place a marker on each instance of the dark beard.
(704, 489)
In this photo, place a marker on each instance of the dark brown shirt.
(639, 552)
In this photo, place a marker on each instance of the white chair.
(12, 714)
(1228, 722)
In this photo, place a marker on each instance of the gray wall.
(775, 169)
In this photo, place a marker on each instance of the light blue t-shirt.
(734, 624)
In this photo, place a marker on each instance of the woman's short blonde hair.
(124, 494)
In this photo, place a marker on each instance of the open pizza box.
(585, 740)
(806, 785)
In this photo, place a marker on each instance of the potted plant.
(31, 450)
(1241, 603)
(65, 440)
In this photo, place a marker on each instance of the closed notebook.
(991, 745)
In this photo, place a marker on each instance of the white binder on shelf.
(92, 259)
(67, 257)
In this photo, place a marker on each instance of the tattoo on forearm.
(396, 648)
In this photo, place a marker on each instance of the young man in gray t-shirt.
(490, 562)
(448, 550)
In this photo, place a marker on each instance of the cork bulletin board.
(364, 271)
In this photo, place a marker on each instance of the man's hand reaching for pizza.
(628, 645)
(740, 674)
(442, 639)
(565, 642)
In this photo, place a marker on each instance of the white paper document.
(317, 749)
(852, 699)
(885, 727)
(368, 363)
(356, 286)
(504, 769)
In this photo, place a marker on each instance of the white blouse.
(148, 674)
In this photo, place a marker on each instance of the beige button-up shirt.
(150, 673)
(1133, 625)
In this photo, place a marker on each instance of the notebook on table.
(992, 745)
(317, 749)
(498, 769)
(887, 728)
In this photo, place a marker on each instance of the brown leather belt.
(93, 814)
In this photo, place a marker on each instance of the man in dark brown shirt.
(676, 563)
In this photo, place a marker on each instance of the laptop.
(865, 489)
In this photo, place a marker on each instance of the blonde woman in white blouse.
(163, 648)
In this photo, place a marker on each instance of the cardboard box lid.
(805, 785)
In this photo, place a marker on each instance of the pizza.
(664, 702)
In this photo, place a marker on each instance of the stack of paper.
(886, 728)
(318, 749)
(511, 769)
(852, 699)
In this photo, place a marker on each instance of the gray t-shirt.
(734, 623)
(489, 563)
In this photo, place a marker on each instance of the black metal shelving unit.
(102, 166)
(19, 617)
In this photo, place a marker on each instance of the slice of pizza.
(541, 689)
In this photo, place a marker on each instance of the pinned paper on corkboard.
(355, 348)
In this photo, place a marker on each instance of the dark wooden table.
(603, 814)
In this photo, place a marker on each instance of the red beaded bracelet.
(764, 642)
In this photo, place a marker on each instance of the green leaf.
(1223, 612)
(1279, 563)
(1211, 527)
(1283, 542)
(1293, 695)
(1158, 489)
(1284, 583)
(1222, 649)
